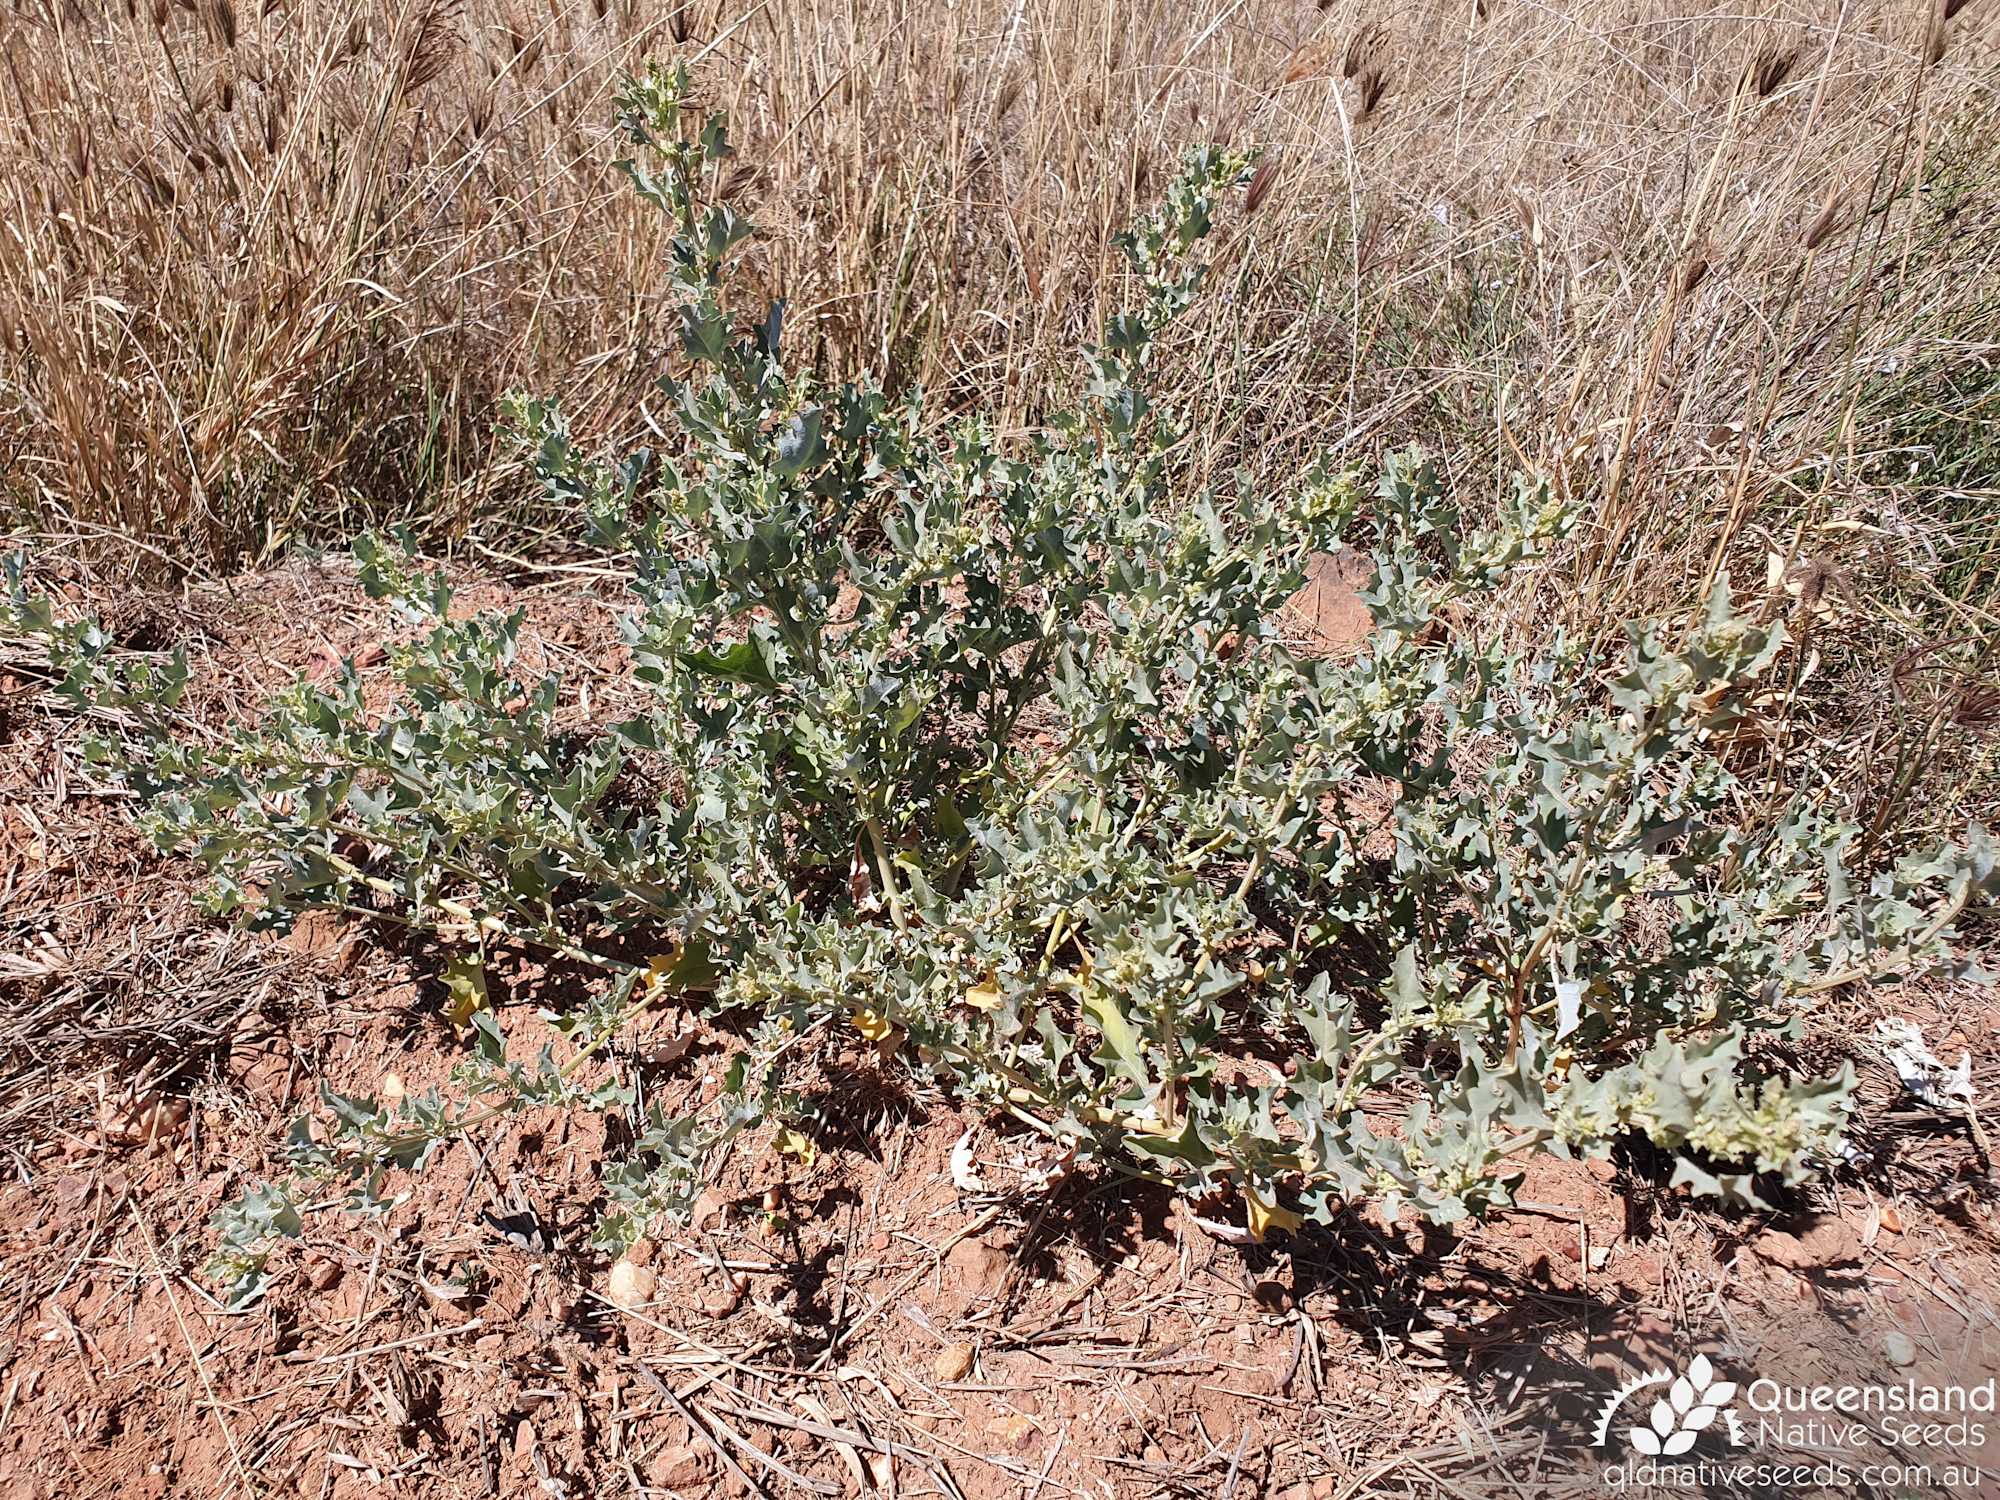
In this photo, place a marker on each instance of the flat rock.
(1825, 1241)
(1328, 611)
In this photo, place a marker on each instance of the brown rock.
(1826, 1241)
(321, 1273)
(954, 1362)
(1013, 1432)
(1329, 609)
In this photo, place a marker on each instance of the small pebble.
(631, 1285)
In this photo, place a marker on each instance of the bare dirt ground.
(846, 1322)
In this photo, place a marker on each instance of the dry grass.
(1731, 278)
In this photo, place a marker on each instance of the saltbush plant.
(998, 756)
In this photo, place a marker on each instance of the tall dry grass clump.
(266, 269)
(276, 263)
(1729, 276)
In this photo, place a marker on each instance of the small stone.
(322, 1274)
(1014, 1432)
(1901, 1349)
(954, 1362)
(1826, 1241)
(631, 1285)
(1323, 1487)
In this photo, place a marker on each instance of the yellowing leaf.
(683, 967)
(1265, 1217)
(658, 967)
(985, 995)
(793, 1143)
(872, 1024)
(465, 983)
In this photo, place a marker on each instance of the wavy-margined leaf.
(742, 662)
(798, 446)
